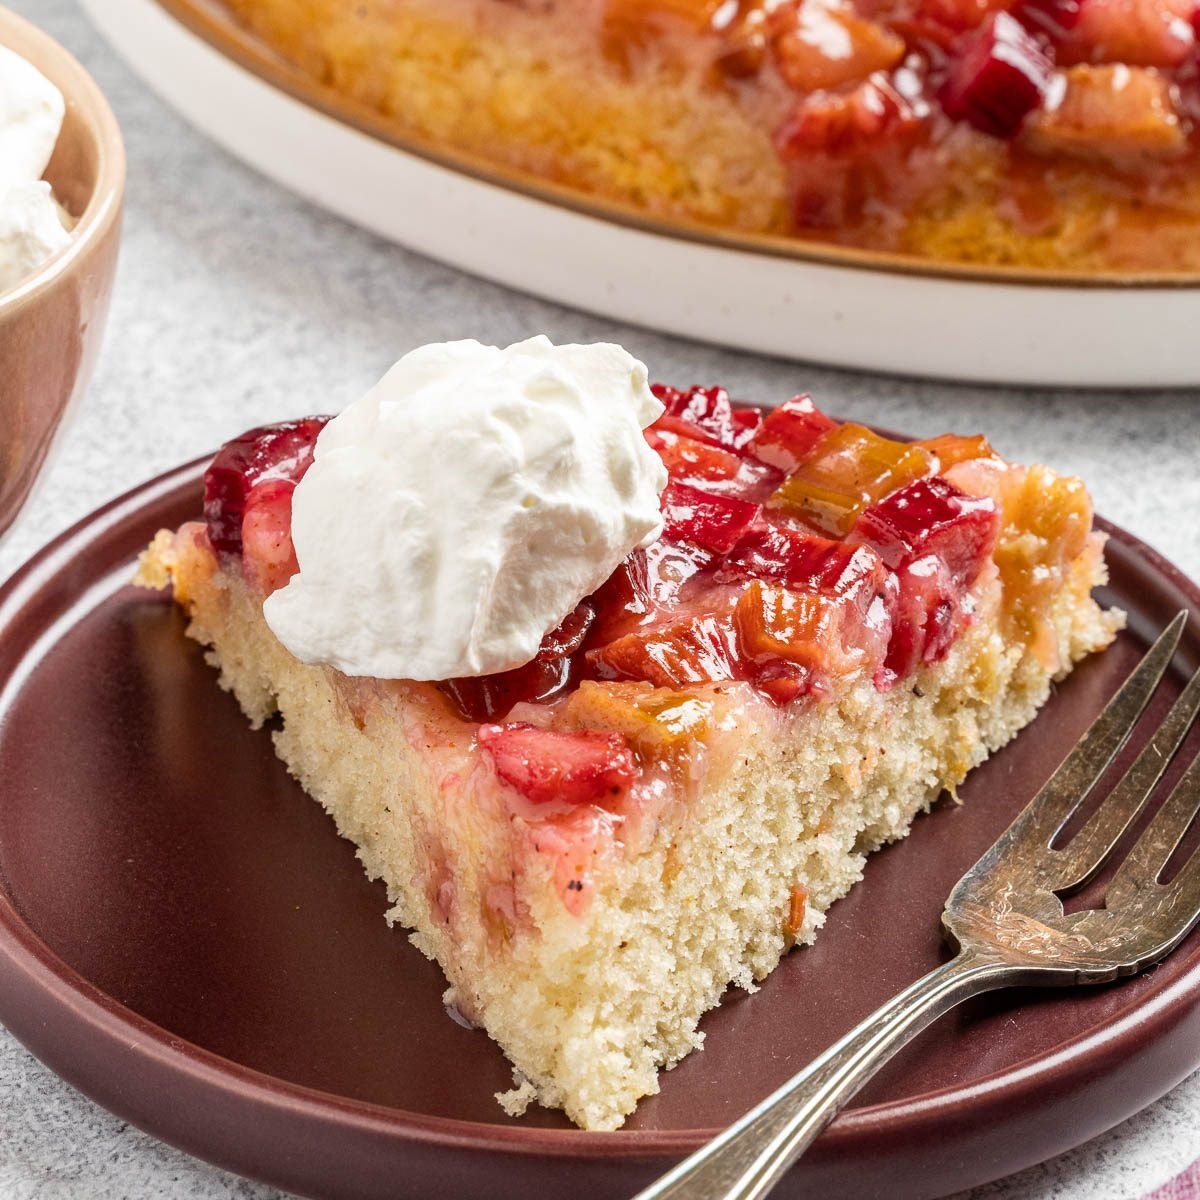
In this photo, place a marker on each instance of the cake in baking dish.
(832, 630)
(1047, 133)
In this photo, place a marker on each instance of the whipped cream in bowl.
(33, 226)
(461, 510)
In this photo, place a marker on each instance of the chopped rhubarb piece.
(1047, 523)
(551, 767)
(950, 449)
(756, 481)
(487, 697)
(1000, 77)
(270, 452)
(707, 415)
(931, 516)
(852, 469)
(814, 631)
(805, 562)
(624, 599)
(570, 634)
(950, 18)
(659, 723)
(1125, 116)
(844, 124)
(790, 433)
(689, 458)
(804, 58)
(713, 522)
(1138, 33)
(490, 697)
(695, 650)
(774, 622)
(645, 581)
(928, 613)
(267, 550)
(782, 681)
(848, 154)
(1054, 17)
(937, 539)
(793, 923)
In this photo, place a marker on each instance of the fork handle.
(749, 1158)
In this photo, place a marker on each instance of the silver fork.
(1007, 921)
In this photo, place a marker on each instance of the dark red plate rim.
(115, 533)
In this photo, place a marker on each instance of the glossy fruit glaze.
(796, 553)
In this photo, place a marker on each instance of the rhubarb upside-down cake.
(824, 630)
(1059, 134)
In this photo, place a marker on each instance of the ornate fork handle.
(747, 1160)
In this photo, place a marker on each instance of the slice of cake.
(663, 793)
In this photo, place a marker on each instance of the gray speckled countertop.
(237, 303)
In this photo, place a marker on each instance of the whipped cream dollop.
(459, 511)
(31, 117)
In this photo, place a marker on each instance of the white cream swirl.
(463, 507)
(31, 117)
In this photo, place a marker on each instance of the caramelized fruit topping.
(658, 723)
(707, 414)
(270, 452)
(860, 563)
(267, 551)
(850, 468)
(950, 449)
(710, 521)
(936, 539)
(799, 627)
(789, 433)
(690, 458)
(488, 697)
(999, 78)
(697, 649)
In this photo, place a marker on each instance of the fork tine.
(1184, 896)
(1085, 853)
(1078, 772)
(1141, 869)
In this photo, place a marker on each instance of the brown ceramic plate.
(184, 937)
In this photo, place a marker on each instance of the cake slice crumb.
(518, 1098)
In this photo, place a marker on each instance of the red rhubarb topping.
(790, 433)
(850, 468)
(270, 452)
(488, 697)
(999, 78)
(710, 521)
(698, 649)
(937, 540)
(690, 458)
(707, 414)
(859, 563)
(267, 551)
(549, 766)
(802, 560)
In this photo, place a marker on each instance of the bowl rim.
(213, 24)
(104, 204)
